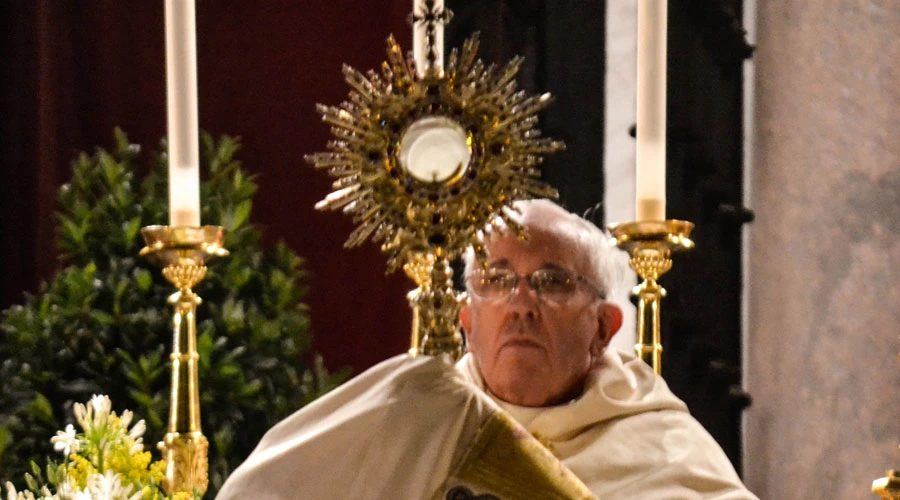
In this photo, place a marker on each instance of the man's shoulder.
(652, 454)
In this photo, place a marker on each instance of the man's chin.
(522, 362)
(521, 392)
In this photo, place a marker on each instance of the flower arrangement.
(106, 460)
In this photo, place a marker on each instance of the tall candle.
(650, 174)
(420, 40)
(181, 97)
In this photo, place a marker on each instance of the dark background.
(75, 70)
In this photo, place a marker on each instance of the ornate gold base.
(650, 245)
(186, 462)
(182, 252)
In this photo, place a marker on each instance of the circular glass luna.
(435, 149)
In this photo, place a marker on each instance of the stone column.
(824, 294)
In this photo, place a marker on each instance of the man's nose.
(523, 300)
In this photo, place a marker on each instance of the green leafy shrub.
(102, 324)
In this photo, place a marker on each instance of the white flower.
(93, 416)
(69, 490)
(138, 430)
(108, 486)
(12, 494)
(125, 419)
(101, 403)
(136, 434)
(102, 406)
(66, 441)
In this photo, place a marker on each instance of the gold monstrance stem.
(650, 245)
(435, 306)
(182, 253)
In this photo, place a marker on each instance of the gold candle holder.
(650, 245)
(182, 253)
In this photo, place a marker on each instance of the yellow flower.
(158, 471)
(132, 468)
(80, 469)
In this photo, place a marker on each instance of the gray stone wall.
(824, 293)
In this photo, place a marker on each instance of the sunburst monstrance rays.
(388, 200)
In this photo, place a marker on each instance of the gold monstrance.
(425, 157)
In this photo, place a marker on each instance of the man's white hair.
(607, 265)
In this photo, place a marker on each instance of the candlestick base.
(182, 252)
(650, 245)
(888, 487)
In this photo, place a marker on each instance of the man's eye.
(552, 281)
(495, 279)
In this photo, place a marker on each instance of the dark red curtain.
(75, 70)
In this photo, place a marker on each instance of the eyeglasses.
(554, 285)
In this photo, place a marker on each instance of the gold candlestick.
(650, 245)
(182, 253)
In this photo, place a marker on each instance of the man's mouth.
(522, 341)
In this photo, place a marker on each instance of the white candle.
(181, 94)
(650, 174)
(420, 42)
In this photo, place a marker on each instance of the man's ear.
(609, 317)
(465, 317)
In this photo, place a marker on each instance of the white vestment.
(406, 429)
(628, 437)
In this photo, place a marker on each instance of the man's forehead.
(542, 248)
(504, 263)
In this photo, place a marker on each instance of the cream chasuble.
(408, 428)
(628, 437)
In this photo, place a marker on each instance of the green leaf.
(130, 230)
(4, 440)
(31, 482)
(40, 408)
(144, 279)
(103, 317)
(55, 475)
(241, 214)
(205, 348)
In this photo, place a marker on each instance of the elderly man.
(538, 326)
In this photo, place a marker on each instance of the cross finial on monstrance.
(425, 156)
